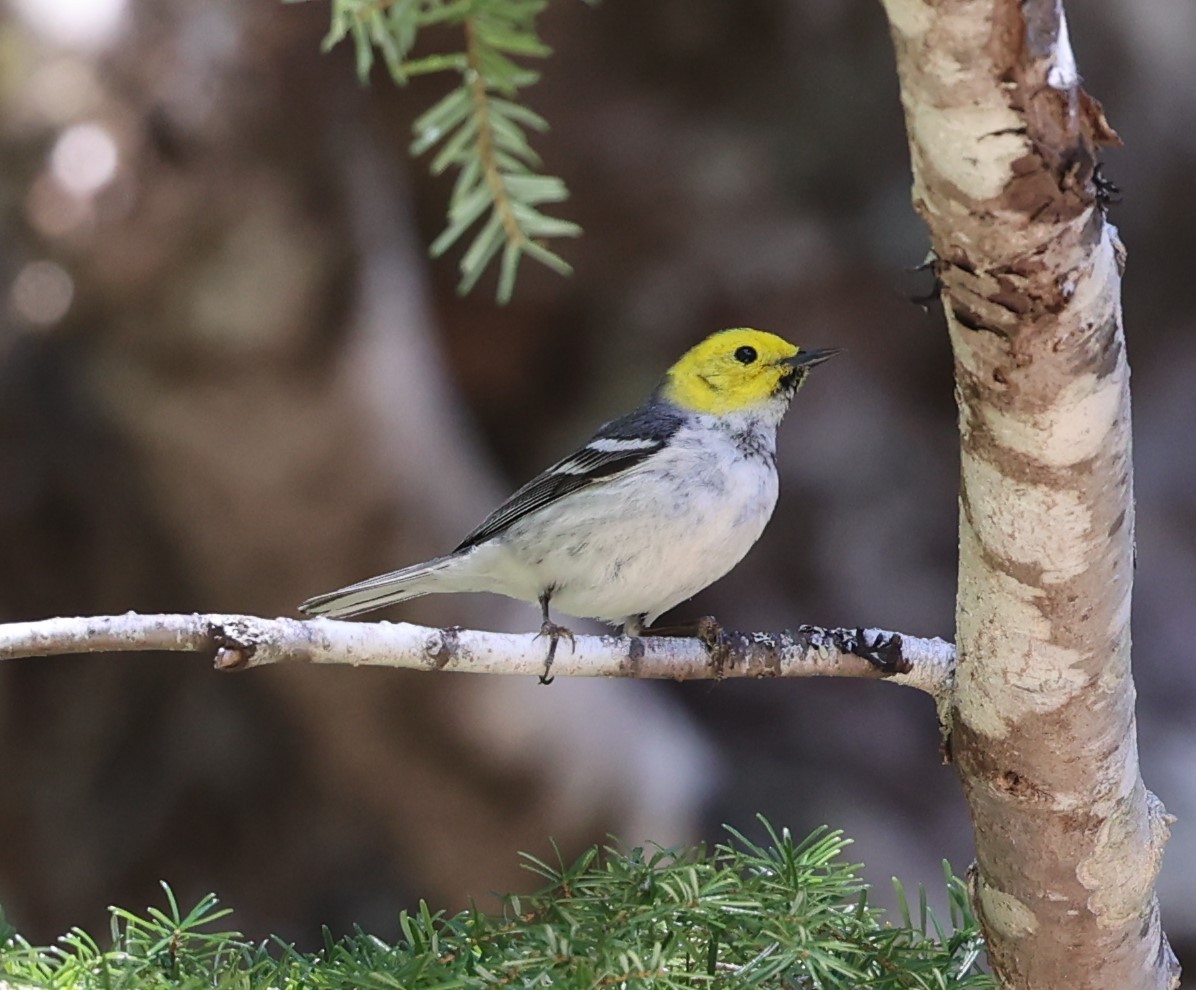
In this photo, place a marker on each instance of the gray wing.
(617, 447)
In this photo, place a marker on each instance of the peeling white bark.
(1064, 434)
(1063, 73)
(1003, 146)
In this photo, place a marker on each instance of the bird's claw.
(554, 633)
(718, 643)
(710, 632)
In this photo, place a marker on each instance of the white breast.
(648, 539)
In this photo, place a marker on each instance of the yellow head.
(736, 370)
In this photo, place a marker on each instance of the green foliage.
(479, 129)
(778, 915)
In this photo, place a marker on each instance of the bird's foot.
(554, 633)
(709, 631)
(717, 642)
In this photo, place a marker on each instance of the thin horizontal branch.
(242, 641)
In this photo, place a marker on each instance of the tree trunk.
(1003, 145)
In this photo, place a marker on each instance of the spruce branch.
(479, 128)
(241, 641)
(777, 914)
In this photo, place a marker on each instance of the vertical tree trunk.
(1003, 145)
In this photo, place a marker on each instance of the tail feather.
(377, 592)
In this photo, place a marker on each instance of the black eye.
(745, 355)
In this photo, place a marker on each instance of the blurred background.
(230, 379)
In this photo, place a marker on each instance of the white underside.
(638, 544)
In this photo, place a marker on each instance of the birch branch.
(242, 641)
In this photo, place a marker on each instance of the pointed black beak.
(807, 359)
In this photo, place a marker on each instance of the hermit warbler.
(659, 504)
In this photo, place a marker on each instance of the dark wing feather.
(643, 432)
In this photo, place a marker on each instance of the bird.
(656, 506)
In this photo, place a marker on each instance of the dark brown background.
(261, 389)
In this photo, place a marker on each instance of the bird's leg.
(678, 630)
(707, 629)
(633, 625)
(554, 633)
